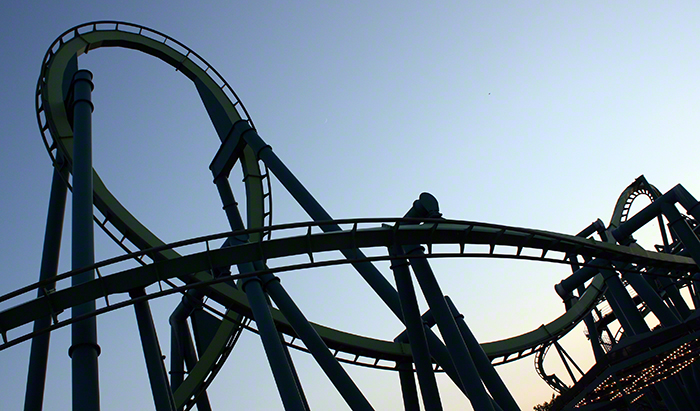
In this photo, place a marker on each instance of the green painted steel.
(194, 269)
(450, 232)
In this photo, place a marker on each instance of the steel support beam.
(300, 388)
(253, 288)
(486, 370)
(276, 357)
(182, 347)
(683, 230)
(177, 360)
(416, 334)
(318, 349)
(448, 328)
(313, 342)
(408, 387)
(367, 270)
(84, 349)
(36, 377)
(160, 388)
(652, 299)
(622, 304)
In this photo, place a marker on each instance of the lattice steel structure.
(613, 281)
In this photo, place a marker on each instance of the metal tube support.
(160, 388)
(180, 339)
(593, 335)
(276, 355)
(448, 328)
(36, 377)
(564, 361)
(622, 304)
(675, 296)
(569, 284)
(486, 370)
(188, 352)
(408, 387)
(687, 200)
(676, 194)
(685, 233)
(177, 360)
(84, 349)
(313, 342)
(652, 299)
(367, 270)
(693, 289)
(182, 348)
(312, 207)
(416, 334)
(335, 372)
(294, 373)
(272, 344)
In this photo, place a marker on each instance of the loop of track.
(164, 263)
(620, 214)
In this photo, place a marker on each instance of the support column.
(253, 288)
(448, 328)
(182, 347)
(367, 270)
(160, 388)
(593, 335)
(685, 233)
(273, 347)
(416, 334)
(318, 349)
(36, 378)
(177, 360)
(674, 295)
(622, 304)
(588, 320)
(652, 299)
(408, 387)
(294, 373)
(486, 370)
(84, 349)
(313, 342)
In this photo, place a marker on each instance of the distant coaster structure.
(228, 280)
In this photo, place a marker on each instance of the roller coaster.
(228, 281)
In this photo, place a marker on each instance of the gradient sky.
(512, 113)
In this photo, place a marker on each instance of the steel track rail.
(122, 227)
(620, 214)
(458, 234)
(221, 101)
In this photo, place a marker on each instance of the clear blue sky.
(511, 113)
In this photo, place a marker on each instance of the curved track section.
(622, 207)
(220, 101)
(620, 214)
(160, 263)
(441, 232)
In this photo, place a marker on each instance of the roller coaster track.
(176, 271)
(432, 232)
(620, 214)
